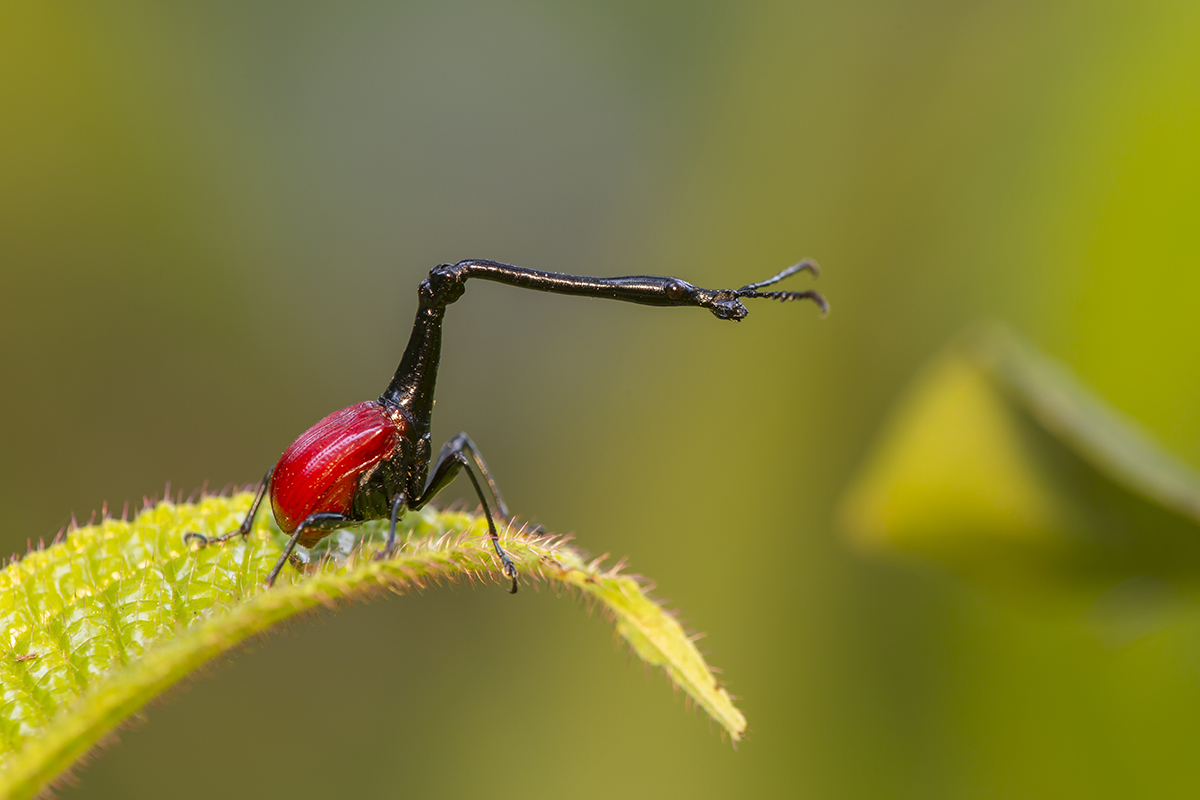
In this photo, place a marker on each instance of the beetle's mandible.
(372, 460)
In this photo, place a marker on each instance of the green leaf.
(1001, 465)
(97, 625)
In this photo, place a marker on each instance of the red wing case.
(320, 471)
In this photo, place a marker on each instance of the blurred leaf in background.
(999, 463)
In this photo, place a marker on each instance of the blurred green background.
(213, 218)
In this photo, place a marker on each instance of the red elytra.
(321, 470)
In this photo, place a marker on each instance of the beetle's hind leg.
(389, 549)
(458, 454)
(321, 521)
(242, 530)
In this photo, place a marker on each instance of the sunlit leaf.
(97, 625)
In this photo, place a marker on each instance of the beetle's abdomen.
(320, 471)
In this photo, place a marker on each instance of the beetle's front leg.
(242, 530)
(456, 455)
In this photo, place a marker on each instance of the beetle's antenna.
(751, 289)
(785, 297)
(806, 264)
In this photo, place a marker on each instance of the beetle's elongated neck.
(412, 386)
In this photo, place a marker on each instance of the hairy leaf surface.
(97, 625)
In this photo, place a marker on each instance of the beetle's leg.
(452, 459)
(242, 530)
(398, 505)
(462, 443)
(322, 520)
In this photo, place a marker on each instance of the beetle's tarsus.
(243, 530)
(205, 541)
(510, 570)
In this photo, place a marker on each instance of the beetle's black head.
(724, 304)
